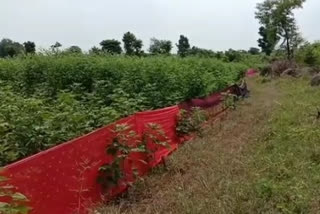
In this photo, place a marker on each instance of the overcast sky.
(212, 24)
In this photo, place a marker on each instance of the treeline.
(130, 46)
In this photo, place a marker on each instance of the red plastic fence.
(206, 102)
(63, 179)
(251, 72)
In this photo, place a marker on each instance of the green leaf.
(19, 197)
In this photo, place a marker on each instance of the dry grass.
(229, 170)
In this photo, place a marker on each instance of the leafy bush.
(229, 100)
(309, 54)
(124, 143)
(189, 122)
(46, 100)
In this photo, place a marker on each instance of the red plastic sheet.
(63, 180)
(207, 102)
(251, 72)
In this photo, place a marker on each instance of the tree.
(160, 46)
(219, 55)
(29, 47)
(310, 53)
(132, 45)
(233, 55)
(8, 48)
(111, 46)
(95, 50)
(254, 51)
(183, 46)
(310, 57)
(74, 49)
(56, 45)
(278, 22)
(287, 27)
(137, 47)
(268, 30)
(266, 44)
(195, 51)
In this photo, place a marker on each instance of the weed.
(14, 202)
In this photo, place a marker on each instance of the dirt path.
(206, 174)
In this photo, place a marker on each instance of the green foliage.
(160, 46)
(264, 43)
(229, 100)
(195, 51)
(153, 134)
(29, 47)
(286, 159)
(47, 100)
(124, 143)
(56, 45)
(111, 46)
(183, 46)
(233, 56)
(267, 31)
(74, 50)
(132, 45)
(278, 22)
(9, 48)
(190, 122)
(254, 51)
(15, 203)
(55, 48)
(309, 54)
(95, 51)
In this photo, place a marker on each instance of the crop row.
(46, 100)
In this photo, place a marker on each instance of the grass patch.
(286, 161)
(262, 158)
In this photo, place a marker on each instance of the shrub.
(124, 143)
(46, 100)
(192, 121)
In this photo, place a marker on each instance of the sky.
(211, 24)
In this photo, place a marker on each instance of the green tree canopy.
(233, 55)
(74, 49)
(268, 29)
(183, 46)
(254, 51)
(9, 48)
(56, 45)
(278, 23)
(287, 27)
(160, 46)
(95, 50)
(29, 47)
(195, 51)
(132, 45)
(111, 46)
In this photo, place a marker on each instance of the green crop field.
(46, 100)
